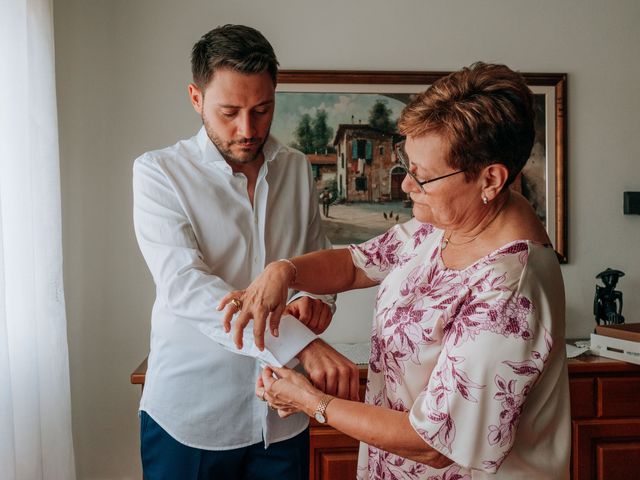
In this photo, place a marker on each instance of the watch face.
(320, 418)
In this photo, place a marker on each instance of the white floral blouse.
(476, 357)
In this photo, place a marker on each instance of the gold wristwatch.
(319, 414)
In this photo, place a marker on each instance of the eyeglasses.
(404, 162)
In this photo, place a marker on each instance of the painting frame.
(553, 86)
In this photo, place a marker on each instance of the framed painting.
(345, 121)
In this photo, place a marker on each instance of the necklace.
(447, 240)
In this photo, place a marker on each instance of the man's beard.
(225, 147)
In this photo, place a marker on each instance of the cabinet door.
(334, 456)
(606, 449)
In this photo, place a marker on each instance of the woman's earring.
(485, 200)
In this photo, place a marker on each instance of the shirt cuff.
(278, 351)
(293, 338)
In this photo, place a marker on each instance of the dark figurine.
(607, 305)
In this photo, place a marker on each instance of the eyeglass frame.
(404, 163)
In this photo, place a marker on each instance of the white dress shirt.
(202, 238)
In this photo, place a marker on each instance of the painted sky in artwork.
(340, 108)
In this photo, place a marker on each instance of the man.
(325, 197)
(210, 212)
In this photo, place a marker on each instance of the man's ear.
(494, 178)
(197, 97)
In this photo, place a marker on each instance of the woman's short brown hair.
(484, 111)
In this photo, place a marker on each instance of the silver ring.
(237, 302)
(264, 392)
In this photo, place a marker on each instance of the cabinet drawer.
(338, 465)
(582, 393)
(618, 460)
(600, 447)
(619, 397)
(333, 455)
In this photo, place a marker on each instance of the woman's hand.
(287, 391)
(265, 298)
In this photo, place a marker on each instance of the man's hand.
(313, 313)
(330, 371)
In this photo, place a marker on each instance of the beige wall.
(122, 67)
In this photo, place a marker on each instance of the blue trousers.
(164, 458)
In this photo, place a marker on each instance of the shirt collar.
(210, 152)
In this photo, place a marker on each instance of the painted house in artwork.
(367, 167)
(324, 169)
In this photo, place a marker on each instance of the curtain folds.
(35, 405)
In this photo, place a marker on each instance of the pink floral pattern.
(422, 232)
(511, 398)
(383, 253)
(385, 465)
(454, 472)
(430, 329)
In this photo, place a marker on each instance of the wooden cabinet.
(605, 416)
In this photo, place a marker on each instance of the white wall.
(122, 69)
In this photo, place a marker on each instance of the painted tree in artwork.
(322, 132)
(304, 135)
(313, 135)
(380, 117)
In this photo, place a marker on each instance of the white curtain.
(35, 404)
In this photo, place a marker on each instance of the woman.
(467, 375)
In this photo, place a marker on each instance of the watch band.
(319, 414)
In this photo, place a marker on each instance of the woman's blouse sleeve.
(378, 256)
(494, 349)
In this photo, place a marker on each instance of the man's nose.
(246, 126)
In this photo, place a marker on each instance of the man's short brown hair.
(486, 114)
(236, 47)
